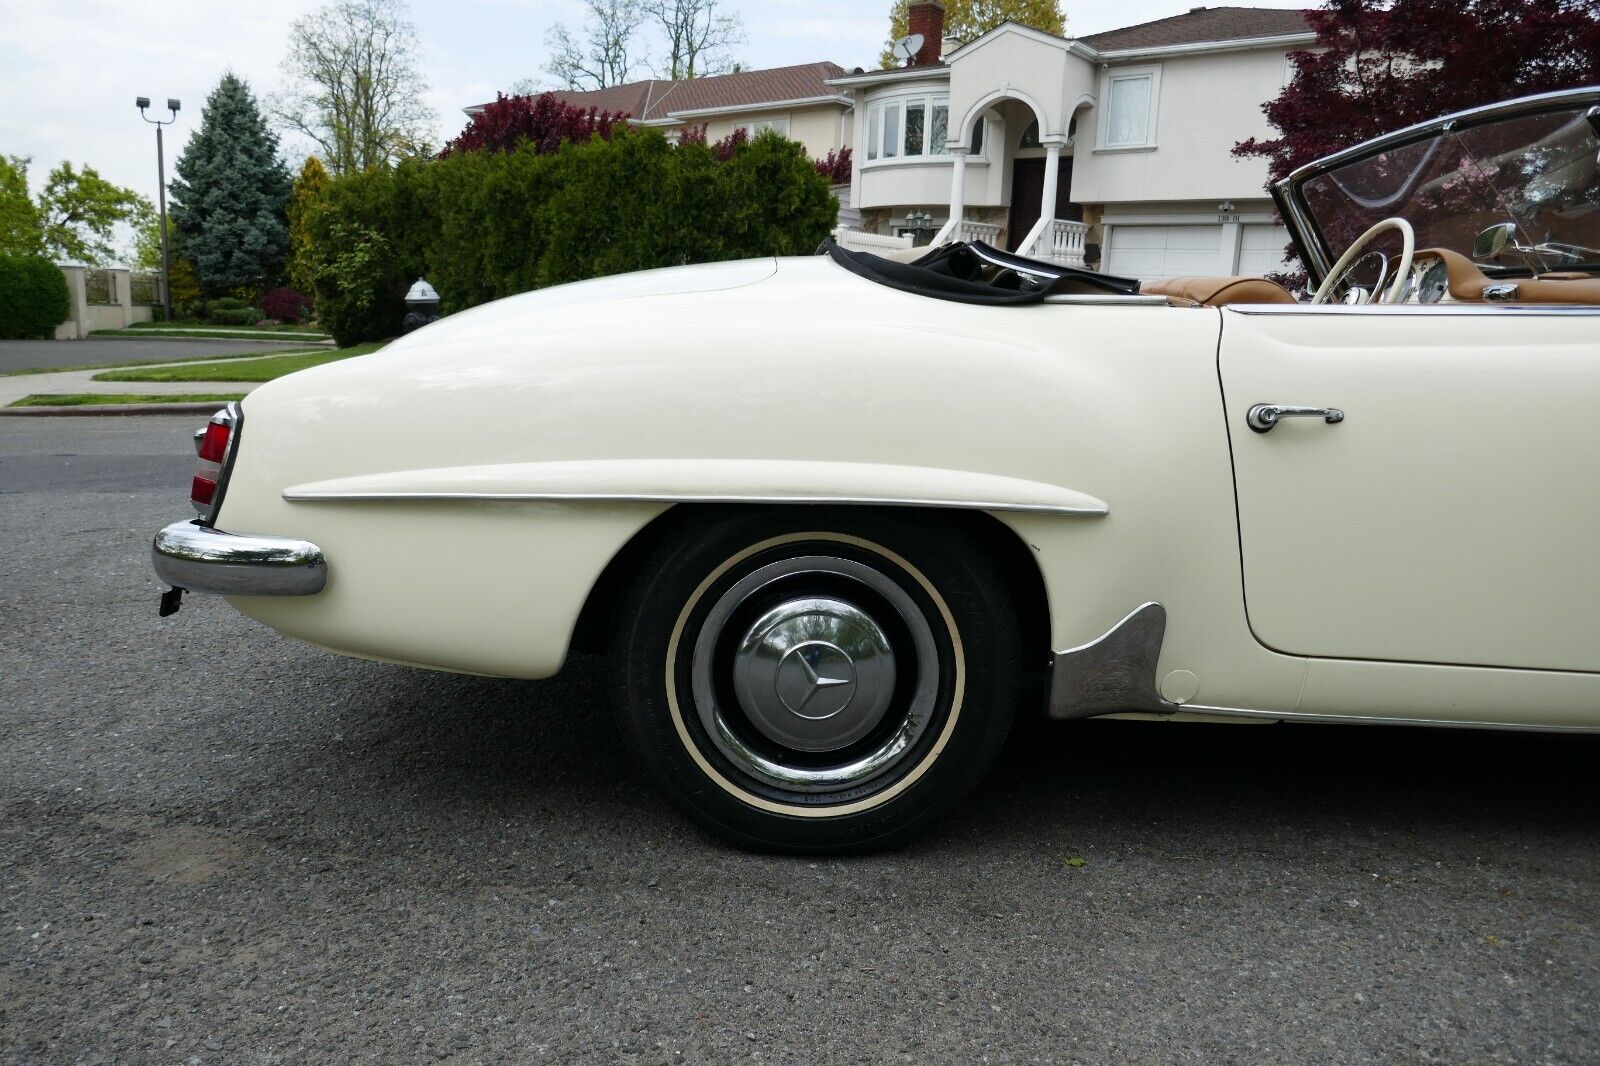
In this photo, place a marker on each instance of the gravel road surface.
(26, 355)
(217, 845)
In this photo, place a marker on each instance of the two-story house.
(1113, 149)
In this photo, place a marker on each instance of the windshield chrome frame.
(1288, 193)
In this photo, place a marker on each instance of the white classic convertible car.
(827, 515)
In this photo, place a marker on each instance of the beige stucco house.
(1113, 149)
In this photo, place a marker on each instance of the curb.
(209, 407)
(302, 342)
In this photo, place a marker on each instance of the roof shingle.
(656, 98)
(1203, 24)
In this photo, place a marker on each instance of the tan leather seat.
(1219, 292)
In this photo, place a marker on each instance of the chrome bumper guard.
(201, 559)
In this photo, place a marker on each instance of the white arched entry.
(1037, 70)
(1054, 143)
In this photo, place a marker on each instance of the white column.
(958, 198)
(1052, 181)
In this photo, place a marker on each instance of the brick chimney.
(927, 18)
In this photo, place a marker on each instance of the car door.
(1453, 515)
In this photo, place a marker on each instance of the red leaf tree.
(544, 121)
(1381, 65)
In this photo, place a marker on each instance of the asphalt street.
(29, 355)
(217, 845)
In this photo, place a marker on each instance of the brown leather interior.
(1219, 292)
(1467, 282)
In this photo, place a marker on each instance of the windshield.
(1535, 175)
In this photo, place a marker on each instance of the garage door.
(1164, 251)
(1261, 249)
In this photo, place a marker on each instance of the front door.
(1453, 515)
(1027, 197)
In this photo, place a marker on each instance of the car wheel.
(817, 679)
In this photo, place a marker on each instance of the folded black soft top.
(953, 272)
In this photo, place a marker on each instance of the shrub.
(545, 121)
(234, 316)
(367, 232)
(185, 289)
(285, 305)
(33, 297)
(837, 166)
(481, 225)
(226, 303)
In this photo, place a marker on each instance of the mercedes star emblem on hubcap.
(816, 680)
(813, 673)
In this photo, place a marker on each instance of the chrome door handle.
(1263, 416)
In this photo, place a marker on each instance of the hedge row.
(483, 225)
(33, 297)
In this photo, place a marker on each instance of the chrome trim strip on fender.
(198, 558)
(618, 497)
(1115, 672)
(1308, 717)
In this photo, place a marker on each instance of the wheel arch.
(597, 621)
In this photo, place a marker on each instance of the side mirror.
(1492, 241)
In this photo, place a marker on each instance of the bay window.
(910, 127)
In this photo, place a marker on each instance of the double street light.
(161, 175)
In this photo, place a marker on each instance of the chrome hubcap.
(814, 674)
(795, 697)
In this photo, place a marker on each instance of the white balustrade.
(1063, 241)
(855, 240)
(988, 233)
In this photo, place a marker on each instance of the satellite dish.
(907, 47)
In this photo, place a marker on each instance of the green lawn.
(259, 369)
(148, 361)
(86, 399)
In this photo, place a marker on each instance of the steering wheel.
(1402, 275)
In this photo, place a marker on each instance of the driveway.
(217, 845)
(26, 355)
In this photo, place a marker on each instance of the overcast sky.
(70, 69)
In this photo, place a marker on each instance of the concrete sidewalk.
(15, 387)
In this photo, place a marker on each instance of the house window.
(780, 126)
(1030, 136)
(916, 126)
(910, 127)
(1131, 109)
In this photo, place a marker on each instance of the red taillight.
(201, 492)
(214, 443)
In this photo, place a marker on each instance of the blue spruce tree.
(230, 195)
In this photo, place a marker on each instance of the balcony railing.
(986, 232)
(1063, 241)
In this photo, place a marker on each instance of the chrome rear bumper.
(202, 559)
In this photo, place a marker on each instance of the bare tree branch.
(358, 86)
(700, 36)
(608, 52)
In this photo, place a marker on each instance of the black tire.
(941, 617)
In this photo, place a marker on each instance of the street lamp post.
(161, 176)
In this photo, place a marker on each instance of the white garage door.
(1149, 252)
(1261, 249)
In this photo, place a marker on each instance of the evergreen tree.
(313, 179)
(231, 193)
